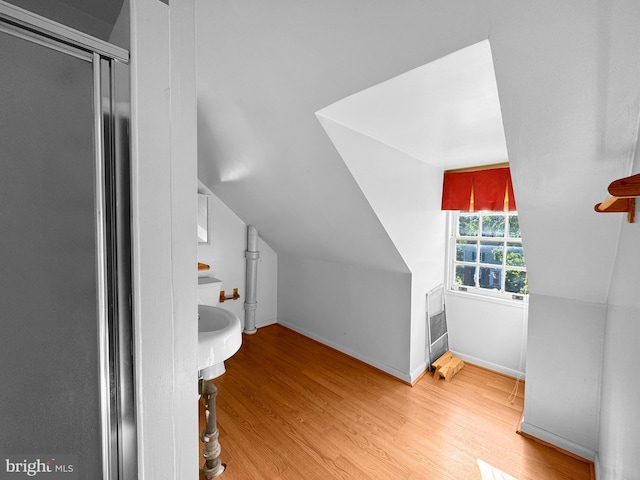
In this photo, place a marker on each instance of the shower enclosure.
(66, 360)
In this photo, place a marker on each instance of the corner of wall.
(163, 194)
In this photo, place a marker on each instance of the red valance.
(478, 190)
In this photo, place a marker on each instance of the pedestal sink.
(219, 337)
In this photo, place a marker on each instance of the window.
(486, 254)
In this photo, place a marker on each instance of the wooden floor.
(291, 408)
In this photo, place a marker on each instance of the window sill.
(524, 303)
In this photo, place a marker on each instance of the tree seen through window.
(489, 253)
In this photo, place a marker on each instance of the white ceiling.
(445, 113)
(568, 77)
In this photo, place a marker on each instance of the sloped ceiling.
(397, 137)
(568, 78)
(445, 113)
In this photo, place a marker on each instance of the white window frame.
(452, 262)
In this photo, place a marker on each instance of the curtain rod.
(478, 168)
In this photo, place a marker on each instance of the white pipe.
(252, 255)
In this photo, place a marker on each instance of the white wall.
(183, 219)
(567, 138)
(164, 206)
(564, 369)
(226, 257)
(619, 441)
(405, 193)
(488, 332)
(360, 311)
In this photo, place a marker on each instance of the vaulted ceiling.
(568, 81)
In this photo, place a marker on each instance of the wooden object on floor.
(447, 366)
(449, 369)
(291, 408)
(442, 360)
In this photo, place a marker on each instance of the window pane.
(515, 254)
(490, 277)
(493, 226)
(514, 227)
(516, 282)
(468, 225)
(465, 275)
(466, 251)
(489, 257)
(491, 252)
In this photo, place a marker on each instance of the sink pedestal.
(214, 371)
(212, 467)
(219, 337)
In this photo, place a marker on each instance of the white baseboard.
(418, 372)
(266, 323)
(385, 368)
(559, 442)
(490, 366)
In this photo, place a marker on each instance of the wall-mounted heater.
(437, 334)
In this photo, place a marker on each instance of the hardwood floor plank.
(291, 408)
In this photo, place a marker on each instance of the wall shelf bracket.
(235, 296)
(623, 197)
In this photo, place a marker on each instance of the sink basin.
(219, 337)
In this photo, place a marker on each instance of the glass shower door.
(58, 266)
